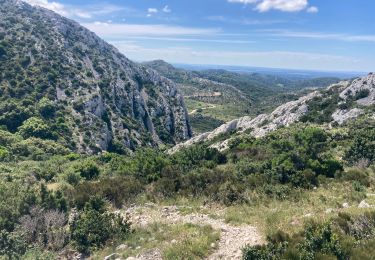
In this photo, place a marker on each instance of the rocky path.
(232, 238)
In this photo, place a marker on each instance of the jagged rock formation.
(103, 99)
(361, 92)
(362, 89)
(259, 126)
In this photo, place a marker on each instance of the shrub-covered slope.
(332, 106)
(60, 81)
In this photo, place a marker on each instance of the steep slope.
(333, 105)
(210, 103)
(96, 99)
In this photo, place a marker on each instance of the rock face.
(105, 99)
(341, 116)
(361, 90)
(259, 126)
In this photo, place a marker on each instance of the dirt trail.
(232, 238)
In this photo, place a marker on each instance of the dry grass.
(174, 241)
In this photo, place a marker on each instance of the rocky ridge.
(362, 90)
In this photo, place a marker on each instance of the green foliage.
(35, 127)
(363, 93)
(46, 107)
(12, 245)
(321, 239)
(95, 227)
(118, 190)
(87, 169)
(321, 108)
(363, 147)
(268, 252)
(198, 155)
(294, 156)
(4, 154)
(344, 237)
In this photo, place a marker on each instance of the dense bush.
(341, 238)
(95, 226)
(35, 127)
(117, 190)
(87, 169)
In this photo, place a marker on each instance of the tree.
(88, 169)
(46, 107)
(35, 127)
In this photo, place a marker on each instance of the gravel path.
(232, 239)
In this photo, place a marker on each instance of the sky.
(331, 35)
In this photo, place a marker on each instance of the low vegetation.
(300, 168)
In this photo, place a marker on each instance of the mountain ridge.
(352, 99)
(107, 100)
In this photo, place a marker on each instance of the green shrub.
(35, 127)
(46, 107)
(88, 169)
(265, 252)
(12, 245)
(358, 175)
(118, 190)
(95, 227)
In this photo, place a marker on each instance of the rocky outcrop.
(341, 116)
(362, 91)
(105, 99)
(259, 126)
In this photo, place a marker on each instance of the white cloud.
(119, 30)
(86, 12)
(312, 9)
(243, 1)
(54, 6)
(280, 5)
(166, 9)
(185, 39)
(152, 10)
(321, 35)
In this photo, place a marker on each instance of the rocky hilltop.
(98, 99)
(334, 105)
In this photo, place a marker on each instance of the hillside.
(292, 186)
(60, 81)
(332, 106)
(217, 96)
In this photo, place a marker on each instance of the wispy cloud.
(280, 5)
(312, 9)
(320, 35)
(85, 12)
(243, 21)
(166, 9)
(184, 39)
(119, 30)
(282, 59)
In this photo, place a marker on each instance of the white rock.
(112, 256)
(121, 247)
(345, 205)
(364, 204)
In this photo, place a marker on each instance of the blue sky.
(298, 34)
